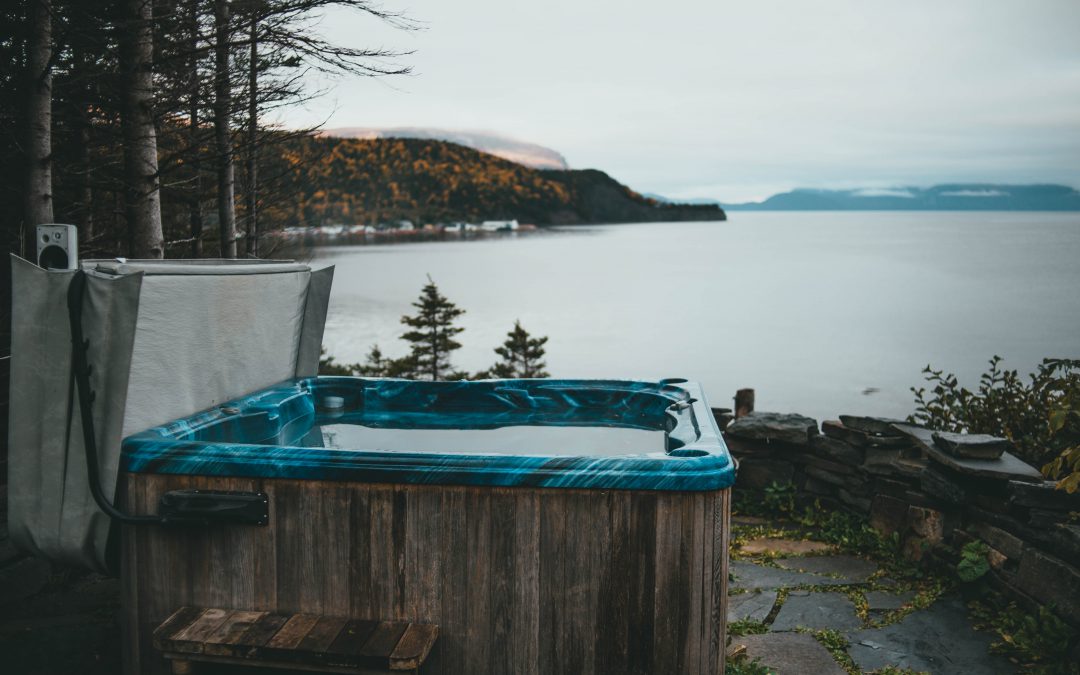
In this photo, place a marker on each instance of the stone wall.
(904, 481)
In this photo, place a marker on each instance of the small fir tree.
(375, 365)
(328, 366)
(521, 355)
(432, 335)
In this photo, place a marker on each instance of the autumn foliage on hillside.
(331, 180)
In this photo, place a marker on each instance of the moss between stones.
(1038, 643)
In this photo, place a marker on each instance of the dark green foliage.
(1064, 422)
(521, 355)
(747, 627)
(1005, 405)
(1040, 642)
(432, 335)
(780, 499)
(974, 563)
(777, 501)
(375, 365)
(328, 366)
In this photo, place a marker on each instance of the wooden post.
(182, 667)
(744, 402)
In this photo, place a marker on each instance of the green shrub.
(974, 563)
(780, 499)
(1041, 416)
(1064, 423)
(1040, 642)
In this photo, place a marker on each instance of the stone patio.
(796, 595)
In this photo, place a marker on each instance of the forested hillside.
(335, 180)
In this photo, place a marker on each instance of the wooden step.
(298, 641)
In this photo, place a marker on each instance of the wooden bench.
(297, 641)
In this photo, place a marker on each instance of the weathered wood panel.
(519, 580)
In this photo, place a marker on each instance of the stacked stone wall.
(904, 481)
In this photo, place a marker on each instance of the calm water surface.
(821, 312)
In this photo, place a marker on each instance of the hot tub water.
(531, 440)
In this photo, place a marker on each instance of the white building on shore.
(499, 225)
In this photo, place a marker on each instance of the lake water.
(821, 312)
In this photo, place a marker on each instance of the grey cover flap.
(167, 339)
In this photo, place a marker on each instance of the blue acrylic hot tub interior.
(541, 433)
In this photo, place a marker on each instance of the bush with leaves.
(1064, 422)
(1041, 416)
(974, 562)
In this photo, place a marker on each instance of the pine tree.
(432, 335)
(378, 364)
(522, 355)
(328, 366)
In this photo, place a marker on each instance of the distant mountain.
(951, 197)
(346, 180)
(529, 154)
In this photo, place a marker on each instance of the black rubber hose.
(82, 385)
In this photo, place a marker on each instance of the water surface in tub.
(507, 440)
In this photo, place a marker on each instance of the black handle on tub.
(203, 507)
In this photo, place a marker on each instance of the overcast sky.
(738, 100)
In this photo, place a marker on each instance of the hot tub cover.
(166, 339)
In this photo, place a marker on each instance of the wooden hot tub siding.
(520, 580)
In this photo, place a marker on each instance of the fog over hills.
(528, 154)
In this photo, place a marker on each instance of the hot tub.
(546, 525)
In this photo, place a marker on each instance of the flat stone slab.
(751, 575)
(816, 610)
(790, 654)
(882, 601)
(1006, 467)
(870, 425)
(971, 446)
(769, 427)
(939, 639)
(784, 546)
(754, 606)
(845, 567)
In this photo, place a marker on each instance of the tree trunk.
(38, 207)
(81, 115)
(195, 215)
(143, 206)
(86, 168)
(222, 140)
(253, 130)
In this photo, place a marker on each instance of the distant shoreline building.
(499, 225)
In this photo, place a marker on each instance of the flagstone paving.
(939, 639)
(795, 592)
(791, 654)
